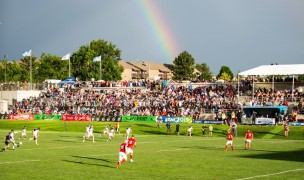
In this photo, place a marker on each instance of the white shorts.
(229, 142)
(129, 151)
(90, 134)
(122, 156)
(111, 135)
(248, 140)
(23, 134)
(35, 135)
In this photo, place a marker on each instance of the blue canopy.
(264, 110)
(70, 80)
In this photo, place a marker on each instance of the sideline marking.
(19, 161)
(265, 175)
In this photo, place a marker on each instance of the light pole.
(5, 56)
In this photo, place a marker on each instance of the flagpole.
(69, 67)
(100, 69)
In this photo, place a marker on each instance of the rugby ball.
(20, 143)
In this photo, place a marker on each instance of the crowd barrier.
(177, 119)
(150, 119)
(207, 122)
(106, 118)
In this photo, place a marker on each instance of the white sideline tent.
(275, 70)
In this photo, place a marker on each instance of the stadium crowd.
(157, 99)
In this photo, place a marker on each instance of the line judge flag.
(66, 57)
(27, 53)
(96, 59)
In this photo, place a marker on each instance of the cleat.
(131, 161)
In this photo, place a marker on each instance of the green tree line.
(82, 66)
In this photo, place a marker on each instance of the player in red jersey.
(131, 146)
(248, 139)
(122, 154)
(229, 141)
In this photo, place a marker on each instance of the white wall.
(18, 95)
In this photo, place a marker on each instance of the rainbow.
(160, 28)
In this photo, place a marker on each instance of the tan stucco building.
(145, 70)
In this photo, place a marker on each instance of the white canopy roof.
(267, 70)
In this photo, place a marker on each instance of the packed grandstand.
(155, 98)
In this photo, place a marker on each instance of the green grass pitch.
(63, 155)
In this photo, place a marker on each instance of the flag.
(66, 57)
(27, 53)
(96, 59)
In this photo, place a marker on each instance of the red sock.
(232, 147)
(131, 156)
(226, 147)
(123, 161)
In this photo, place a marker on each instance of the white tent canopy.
(274, 70)
(269, 70)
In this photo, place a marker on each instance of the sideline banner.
(3, 116)
(47, 117)
(268, 121)
(21, 116)
(139, 119)
(77, 117)
(207, 122)
(106, 118)
(177, 119)
(296, 124)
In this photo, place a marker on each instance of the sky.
(240, 34)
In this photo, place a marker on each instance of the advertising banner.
(106, 118)
(268, 121)
(207, 122)
(139, 119)
(21, 116)
(3, 116)
(296, 124)
(177, 119)
(47, 117)
(77, 117)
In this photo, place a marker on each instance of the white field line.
(19, 161)
(266, 175)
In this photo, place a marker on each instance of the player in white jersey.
(87, 130)
(111, 134)
(23, 133)
(105, 131)
(35, 134)
(189, 131)
(89, 134)
(128, 131)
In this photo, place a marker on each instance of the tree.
(84, 68)
(51, 67)
(301, 78)
(205, 71)
(25, 68)
(228, 73)
(13, 72)
(183, 67)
